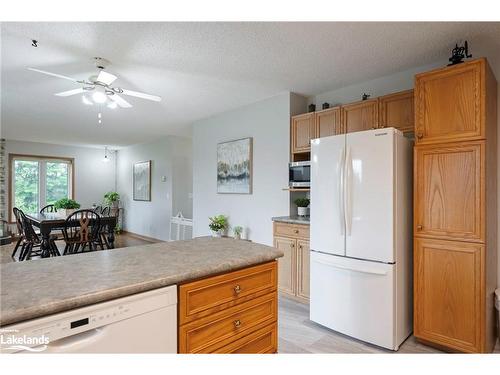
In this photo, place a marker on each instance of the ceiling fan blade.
(54, 75)
(120, 101)
(106, 78)
(70, 92)
(142, 95)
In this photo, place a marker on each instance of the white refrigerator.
(361, 223)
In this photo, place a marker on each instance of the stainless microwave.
(300, 174)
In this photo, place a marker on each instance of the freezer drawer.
(354, 297)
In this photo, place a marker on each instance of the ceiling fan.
(101, 87)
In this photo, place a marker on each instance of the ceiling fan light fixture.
(99, 97)
(112, 105)
(86, 100)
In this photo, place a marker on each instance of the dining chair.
(48, 208)
(19, 226)
(98, 210)
(31, 243)
(81, 229)
(102, 240)
(106, 211)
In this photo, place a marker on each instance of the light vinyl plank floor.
(298, 334)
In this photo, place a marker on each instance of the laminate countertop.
(305, 220)
(37, 288)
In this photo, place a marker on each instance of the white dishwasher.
(140, 323)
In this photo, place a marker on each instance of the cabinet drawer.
(264, 340)
(207, 296)
(206, 334)
(291, 230)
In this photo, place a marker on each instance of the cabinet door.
(287, 265)
(303, 269)
(328, 122)
(303, 130)
(448, 293)
(360, 116)
(449, 191)
(448, 103)
(397, 110)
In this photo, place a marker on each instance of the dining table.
(50, 221)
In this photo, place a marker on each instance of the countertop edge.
(102, 296)
(291, 220)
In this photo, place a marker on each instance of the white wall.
(267, 122)
(376, 87)
(93, 177)
(170, 157)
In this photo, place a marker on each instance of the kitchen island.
(219, 279)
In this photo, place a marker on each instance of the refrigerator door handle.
(348, 188)
(354, 269)
(341, 191)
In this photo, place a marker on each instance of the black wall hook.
(34, 43)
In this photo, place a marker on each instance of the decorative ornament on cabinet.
(458, 54)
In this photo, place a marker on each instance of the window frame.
(38, 158)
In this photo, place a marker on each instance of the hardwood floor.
(297, 334)
(121, 240)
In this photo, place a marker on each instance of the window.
(39, 181)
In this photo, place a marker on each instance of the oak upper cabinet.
(328, 122)
(448, 293)
(449, 191)
(286, 265)
(455, 207)
(360, 116)
(449, 103)
(303, 129)
(398, 111)
(293, 270)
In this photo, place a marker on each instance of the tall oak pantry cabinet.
(455, 207)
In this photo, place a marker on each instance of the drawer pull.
(237, 323)
(296, 231)
(420, 135)
(419, 227)
(237, 289)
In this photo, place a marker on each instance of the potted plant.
(218, 225)
(111, 199)
(66, 206)
(302, 206)
(237, 232)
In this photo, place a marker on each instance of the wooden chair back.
(48, 208)
(28, 231)
(82, 227)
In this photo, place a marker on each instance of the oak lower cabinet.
(455, 207)
(293, 279)
(303, 129)
(398, 111)
(449, 293)
(236, 312)
(360, 116)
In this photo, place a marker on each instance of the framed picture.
(234, 167)
(142, 181)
